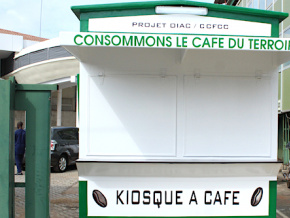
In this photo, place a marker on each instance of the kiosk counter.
(178, 109)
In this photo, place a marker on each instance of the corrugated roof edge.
(25, 36)
(149, 4)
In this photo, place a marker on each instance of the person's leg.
(18, 160)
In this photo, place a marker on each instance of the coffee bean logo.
(257, 197)
(100, 198)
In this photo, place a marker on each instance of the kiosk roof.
(152, 4)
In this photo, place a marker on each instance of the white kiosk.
(178, 109)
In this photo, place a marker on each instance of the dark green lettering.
(221, 42)
(193, 42)
(231, 40)
(75, 39)
(161, 41)
(251, 42)
(147, 41)
(270, 44)
(118, 38)
(100, 40)
(169, 42)
(263, 44)
(129, 41)
(139, 42)
(108, 41)
(282, 44)
(241, 44)
(256, 44)
(206, 43)
(92, 39)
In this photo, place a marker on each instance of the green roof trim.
(152, 4)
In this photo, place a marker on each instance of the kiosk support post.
(7, 148)
(35, 100)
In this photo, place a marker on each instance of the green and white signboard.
(178, 109)
(176, 41)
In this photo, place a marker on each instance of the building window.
(250, 5)
(262, 4)
(253, 4)
(287, 33)
(258, 4)
(269, 4)
(286, 65)
(241, 3)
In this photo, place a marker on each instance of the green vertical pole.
(83, 201)
(35, 100)
(6, 148)
(273, 198)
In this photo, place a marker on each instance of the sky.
(44, 18)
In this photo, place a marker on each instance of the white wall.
(68, 118)
(144, 104)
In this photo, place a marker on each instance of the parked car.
(64, 148)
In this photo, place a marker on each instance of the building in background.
(282, 6)
(284, 74)
(35, 60)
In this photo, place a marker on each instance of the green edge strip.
(83, 203)
(78, 97)
(151, 4)
(83, 210)
(19, 184)
(273, 198)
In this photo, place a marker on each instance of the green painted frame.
(7, 155)
(83, 204)
(35, 100)
(85, 12)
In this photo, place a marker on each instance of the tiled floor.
(64, 198)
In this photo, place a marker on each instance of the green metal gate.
(35, 100)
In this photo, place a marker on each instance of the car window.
(68, 134)
(54, 134)
(77, 132)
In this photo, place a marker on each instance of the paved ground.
(283, 198)
(64, 196)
